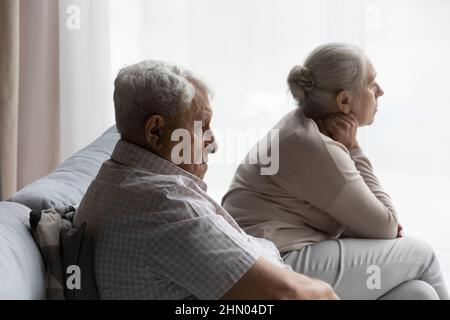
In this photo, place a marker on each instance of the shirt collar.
(137, 157)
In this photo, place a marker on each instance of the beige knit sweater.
(321, 190)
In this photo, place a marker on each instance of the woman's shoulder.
(300, 137)
(298, 131)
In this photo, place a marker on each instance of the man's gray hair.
(151, 87)
(327, 70)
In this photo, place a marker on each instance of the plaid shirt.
(158, 235)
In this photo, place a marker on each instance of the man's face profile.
(186, 140)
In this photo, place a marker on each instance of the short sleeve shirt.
(158, 235)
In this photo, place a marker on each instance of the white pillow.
(22, 270)
(67, 184)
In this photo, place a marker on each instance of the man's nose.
(380, 91)
(212, 145)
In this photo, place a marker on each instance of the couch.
(22, 270)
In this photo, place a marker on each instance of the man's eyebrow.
(206, 115)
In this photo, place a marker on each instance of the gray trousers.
(366, 269)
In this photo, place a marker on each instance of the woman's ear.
(153, 131)
(343, 101)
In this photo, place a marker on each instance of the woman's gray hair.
(327, 70)
(152, 87)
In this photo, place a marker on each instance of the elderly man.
(157, 234)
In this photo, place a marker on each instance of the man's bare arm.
(266, 281)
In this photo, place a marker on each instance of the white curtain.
(243, 49)
(84, 64)
(410, 140)
(73, 49)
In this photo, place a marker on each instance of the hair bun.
(301, 82)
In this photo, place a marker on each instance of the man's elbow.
(304, 288)
(285, 291)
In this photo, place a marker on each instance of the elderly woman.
(325, 188)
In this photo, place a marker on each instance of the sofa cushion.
(22, 270)
(67, 184)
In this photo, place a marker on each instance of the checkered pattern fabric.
(158, 235)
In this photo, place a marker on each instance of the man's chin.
(203, 170)
(199, 170)
(373, 117)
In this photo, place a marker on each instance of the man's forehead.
(206, 111)
(201, 109)
(371, 72)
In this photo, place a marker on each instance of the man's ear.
(154, 126)
(343, 101)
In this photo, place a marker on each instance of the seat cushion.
(22, 270)
(67, 184)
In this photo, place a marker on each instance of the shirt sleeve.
(192, 246)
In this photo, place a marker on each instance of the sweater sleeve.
(362, 206)
(364, 167)
(338, 183)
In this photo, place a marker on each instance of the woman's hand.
(340, 127)
(400, 233)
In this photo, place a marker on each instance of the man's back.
(158, 235)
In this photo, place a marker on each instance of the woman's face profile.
(365, 102)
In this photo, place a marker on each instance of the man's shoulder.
(137, 180)
(138, 187)
(142, 198)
